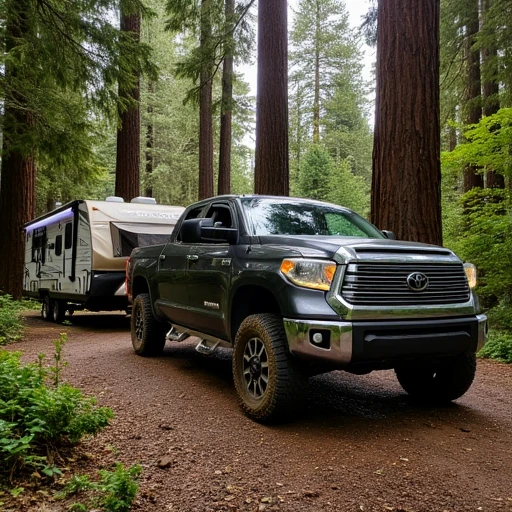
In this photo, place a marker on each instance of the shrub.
(498, 346)
(39, 415)
(11, 323)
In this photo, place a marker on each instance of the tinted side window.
(68, 236)
(58, 245)
(221, 215)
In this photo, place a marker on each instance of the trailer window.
(58, 245)
(68, 239)
(39, 241)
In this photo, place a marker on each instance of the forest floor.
(361, 445)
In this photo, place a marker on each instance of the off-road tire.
(148, 334)
(47, 309)
(284, 393)
(440, 383)
(58, 311)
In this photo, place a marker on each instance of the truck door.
(209, 276)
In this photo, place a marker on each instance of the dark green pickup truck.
(299, 287)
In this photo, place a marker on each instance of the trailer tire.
(58, 311)
(47, 308)
(148, 334)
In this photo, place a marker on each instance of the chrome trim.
(483, 329)
(390, 251)
(340, 351)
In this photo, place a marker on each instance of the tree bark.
(224, 186)
(205, 107)
(271, 174)
(128, 136)
(472, 92)
(316, 101)
(150, 142)
(491, 88)
(406, 195)
(17, 179)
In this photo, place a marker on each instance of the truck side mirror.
(191, 230)
(389, 234)
(218, 234)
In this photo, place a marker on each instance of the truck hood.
(347, 249)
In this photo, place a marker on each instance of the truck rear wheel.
(444, 382)
(148, 334)
(271, 384)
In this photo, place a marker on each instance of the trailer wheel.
(271, 384)
(148, 334)
(59, 311)
(46, 308)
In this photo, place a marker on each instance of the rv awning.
(127, 236)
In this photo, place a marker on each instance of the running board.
(206, 347)
(175, 335)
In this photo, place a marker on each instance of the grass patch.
(498, 346)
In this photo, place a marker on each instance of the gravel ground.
(361, 445)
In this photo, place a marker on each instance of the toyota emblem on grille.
(417, 282)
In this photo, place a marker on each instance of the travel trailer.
(75, 255)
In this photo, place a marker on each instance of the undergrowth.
(40, 415)
(498, 346)
(11, 321)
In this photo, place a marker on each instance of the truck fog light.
(318, 338)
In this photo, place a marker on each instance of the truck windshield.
(269, 216)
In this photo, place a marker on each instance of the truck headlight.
(470, 270)
(316, 274)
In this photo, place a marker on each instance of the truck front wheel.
(271, 384)
(148, 334)
(443, 382)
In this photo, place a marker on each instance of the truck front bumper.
(342, 344)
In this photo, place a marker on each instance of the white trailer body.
(75, 256)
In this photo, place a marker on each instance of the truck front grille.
(381, 284)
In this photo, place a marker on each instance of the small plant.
(39, 414)
(11, 322)
(113, 492)
(498, 346)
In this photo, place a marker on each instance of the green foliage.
(113, 492)
(321, 178)
(11, 321)
(39, 414)
(498, 346)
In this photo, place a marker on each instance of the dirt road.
(360, 446)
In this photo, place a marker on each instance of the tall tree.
(17, 196)
(406, 169)
(58, 55)
(224, 186)
(472, 93)
(271, 173)
(128, 135)
(205, 105)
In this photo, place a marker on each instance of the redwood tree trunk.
(227, 104)
(491, 88)
(271, 173)
(150, 141)
(472, 92)
(128, 136)
(205, 109)
(17, 180)
(406, 196)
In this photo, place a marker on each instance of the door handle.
(192, 257)
(161, 257)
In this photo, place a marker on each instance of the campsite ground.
(361, 445)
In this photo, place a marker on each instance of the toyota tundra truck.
(299, 287)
